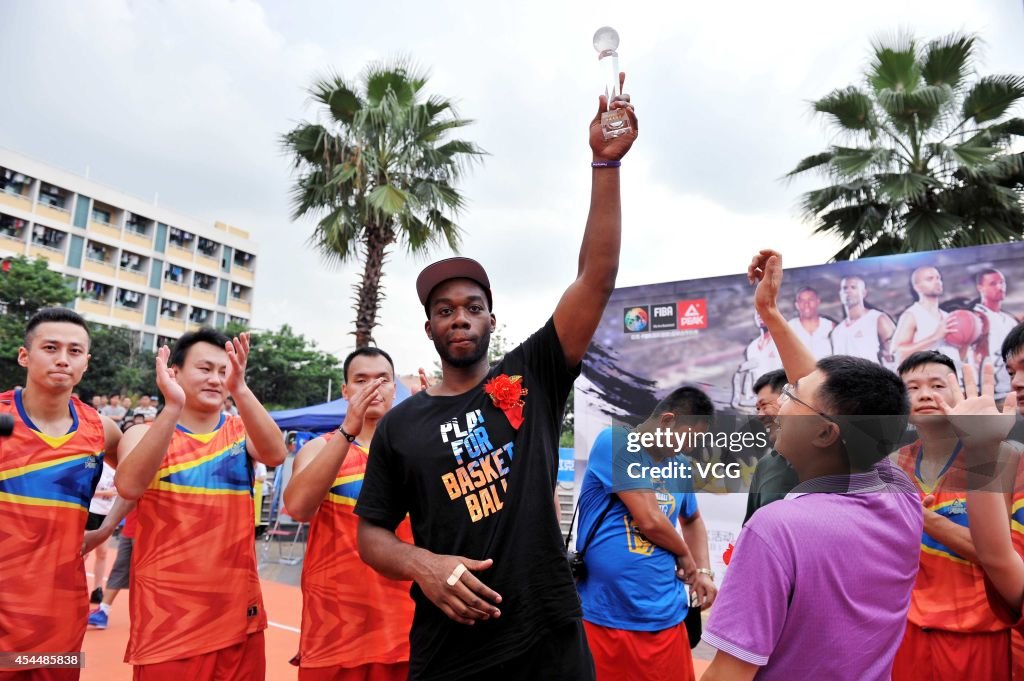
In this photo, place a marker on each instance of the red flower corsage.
(727, 556)
(507, 392)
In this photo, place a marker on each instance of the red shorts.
(621, 655)
(934, 655)
(42, 675)
(245, 661)
(365, 672)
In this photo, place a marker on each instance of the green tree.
(380, 169)
(26, 286)
(924, 159)
(287, 371)
(118, 364)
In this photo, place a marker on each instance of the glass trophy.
(614, 122)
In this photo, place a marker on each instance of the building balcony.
(103, 229)
(133, 277)
(169, 325)
(241, 275)
(180, 253)
(143, 240)
(199, 294)
(236, 305)
(97, 267)
(15, 201)
(86, 306)
(13, 243)
(54, 255)
(128, 314)
(210, 262)
(177, 289)
(56, 214)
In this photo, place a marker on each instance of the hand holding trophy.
(614, 122)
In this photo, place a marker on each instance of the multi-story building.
(137, 265)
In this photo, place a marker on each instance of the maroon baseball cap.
(451, 268)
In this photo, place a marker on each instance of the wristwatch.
(707, 571)
(350, 438)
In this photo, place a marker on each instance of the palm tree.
(379, 169)
(927, 159)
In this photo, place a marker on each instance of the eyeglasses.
(787, 394)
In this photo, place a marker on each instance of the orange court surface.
(104, 648)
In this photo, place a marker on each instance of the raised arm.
(992, 467)
(143, 447)
(765, 271)
(264, 439)
(581, 306)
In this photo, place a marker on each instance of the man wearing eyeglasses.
(850, 530)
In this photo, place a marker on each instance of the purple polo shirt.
(819, 583)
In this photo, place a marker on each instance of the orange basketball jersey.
(949, 593)
(194, 585)
(351, 615)
(46, 484)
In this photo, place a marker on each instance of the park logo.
(663, 317)
(636, 319)
(693, 314)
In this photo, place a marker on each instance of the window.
(12, 226)
(208, 247)
(199, 315)
(243, 259)
(170, 308)
(48, 237)
(175, 274)
(129, 299)
(52, 196)
(203, 281)
(13, 182)
(138, 224)
(131, 261)
(97, 252)
(181, 238)
(236, 291)
(101, 216)
(93, 290)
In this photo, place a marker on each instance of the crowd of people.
(435, 551)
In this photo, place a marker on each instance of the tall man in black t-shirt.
(473, 461)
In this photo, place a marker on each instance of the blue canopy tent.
(321, 418)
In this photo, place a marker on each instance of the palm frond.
(948, 60)
(850, 108)
(992, 96)
(894, 65)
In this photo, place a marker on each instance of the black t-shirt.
(476, 487)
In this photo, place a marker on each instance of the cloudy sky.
(187, 100)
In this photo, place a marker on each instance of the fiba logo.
(635, 319)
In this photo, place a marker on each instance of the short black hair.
(204, 334)
(855, 388)
(59, 315)
(686, 401)
(1013, 344)
(919, 359)
(366, 352)
(807, 288)
(984, 273)
(776, 379)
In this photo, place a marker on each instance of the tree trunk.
(368, 292)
